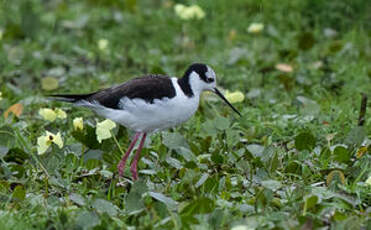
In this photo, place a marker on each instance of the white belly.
(141, 116)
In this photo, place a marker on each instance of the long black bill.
(217, 92)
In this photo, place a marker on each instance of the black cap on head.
(200, 69)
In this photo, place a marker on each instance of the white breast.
(141, 116)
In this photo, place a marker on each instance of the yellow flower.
(78, 123)
(43, 142)
(48, 114)
(103, 130)
(189, 12)
(255, 28)
(51, 115)
(60, 113)
(234, 97)
(1, 98)
(102, 44)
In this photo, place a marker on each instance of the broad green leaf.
(87, 220)
(309, 202)
(174, 140)
(19, 193)
(199, 206)
(222, 123)
(255, 150)
(341, 154)
(216, 218)
(271, 184)
(87, 137)
(104, 206)
(305, 141)
(134, 201)
(77, 199)
(164, 199)
(306, 40)
(217, 158)
(309, 107)
(356, 136)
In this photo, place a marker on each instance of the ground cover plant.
(298, 158)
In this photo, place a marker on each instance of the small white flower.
(102, 44)
(43, 142)
(78, 123)
(255, 28)
(103, 130)
(1, 94)
(189, 12)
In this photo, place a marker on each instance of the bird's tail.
(71, 98)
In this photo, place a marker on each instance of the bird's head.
(202, 77)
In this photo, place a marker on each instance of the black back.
(147, 88)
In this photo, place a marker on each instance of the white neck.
(195, 83)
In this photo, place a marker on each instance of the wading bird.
(150, 103)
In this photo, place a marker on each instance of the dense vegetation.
(298, 158)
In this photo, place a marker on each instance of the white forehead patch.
(210, 73)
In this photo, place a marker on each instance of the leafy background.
(296, 159)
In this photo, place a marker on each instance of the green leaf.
(19, 193)
(305, 141)
(134, 201)
(87, 220)
(255, 150)
(104, 206)
(87, 137)
(202, 180)
(77, 199)
(271, 184)
(306, 41)
(217, 158)
(356, 136)
(309, 202)
(201, 205)
(309, 107)
(170, 203)
(341, 154)
(174, 140)
(222, 123)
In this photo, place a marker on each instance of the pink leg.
(134, 165)
(121, 164)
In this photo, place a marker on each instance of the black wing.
(147, 88)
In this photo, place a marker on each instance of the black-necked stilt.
(150, 103)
